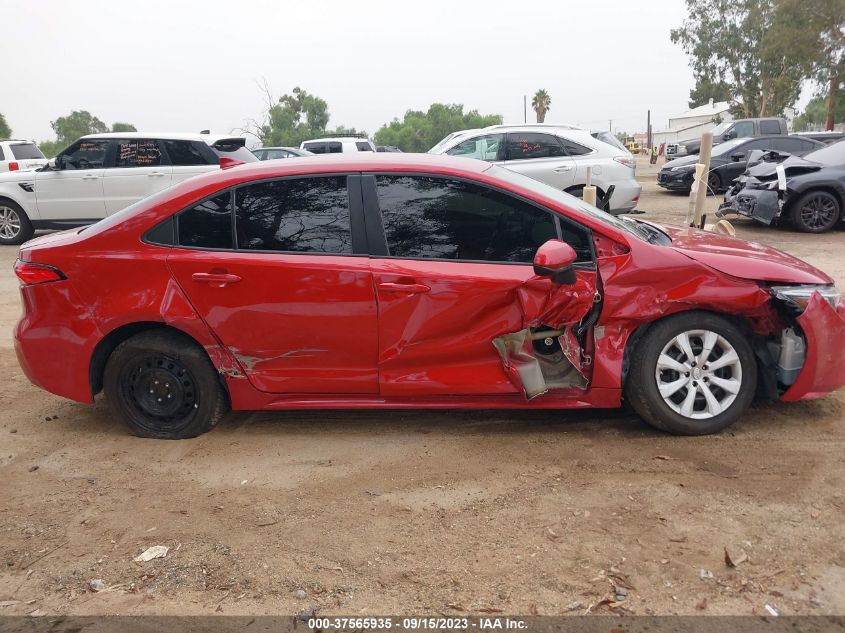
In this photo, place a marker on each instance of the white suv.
(557, 155)
(338, 145)
(101, 174)
(20, 156)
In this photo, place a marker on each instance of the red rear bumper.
(824, 367)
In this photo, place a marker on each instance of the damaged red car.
(414, 281)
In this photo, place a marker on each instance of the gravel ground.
(426, 512)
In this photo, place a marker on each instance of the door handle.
(90, 177)
(154, 174)
(215, 278)
(409, 288)
(563, 168)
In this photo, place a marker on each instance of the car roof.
(16, 140)
(176, 136)
(290, 149)
(336, 139)
(562, 126)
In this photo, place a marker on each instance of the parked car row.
(101, 174)
(728, 161)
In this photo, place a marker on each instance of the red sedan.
(414, 281)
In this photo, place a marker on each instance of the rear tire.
(163, 385)
(15, 227)
(694, 392)
(815, 212)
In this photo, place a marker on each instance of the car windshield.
(720, 129)
(628, 226)
(833, 154)
(610, 139)
(723, 149)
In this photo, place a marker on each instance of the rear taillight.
(14, 166)
(31, 274)
(628, 162)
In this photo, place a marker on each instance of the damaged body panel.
(808, 191)
(508, 294)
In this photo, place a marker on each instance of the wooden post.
(698, 195)
(589, 194)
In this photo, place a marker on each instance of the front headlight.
(799, 296)
(684, 168)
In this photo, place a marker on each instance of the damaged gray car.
(808, 192)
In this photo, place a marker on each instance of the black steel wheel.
(163, 385)
(815, 212)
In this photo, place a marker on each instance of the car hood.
(680, 162)
(744, 259)
(17, 175)
(793, 165)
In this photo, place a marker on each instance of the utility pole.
(525, 108)
(648, 129)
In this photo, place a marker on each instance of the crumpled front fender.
(824, 367)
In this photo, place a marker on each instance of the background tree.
(123, 127)
(77, 123)
(5, 130)
(542, 103)
(815, 115)
(293, 118)
(419, 131)
(815, 30)
(705, 89)
(726, 41)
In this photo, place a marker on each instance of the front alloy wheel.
(698, 374)
(692, 374)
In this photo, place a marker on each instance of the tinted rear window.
(363, 146)
(769, 126)
(186, 153)
(22, 151)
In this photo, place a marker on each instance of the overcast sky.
(181, 65)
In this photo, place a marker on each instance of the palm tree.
(541, 103)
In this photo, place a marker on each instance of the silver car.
(557, 155)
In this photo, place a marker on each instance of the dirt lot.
(388, 512)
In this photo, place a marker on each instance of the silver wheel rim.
(699, 374)
(10, 223)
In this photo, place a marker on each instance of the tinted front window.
(208, 224)
(745, 128)
(185, 153)
(273, 154)
(137, 153)
(489, 147)
(2, 155)
(524, 145)
(23, 151)
(436, 218)
(86, 154)
(315, 148)
(363, 146)
(307, 215)
(769, 126)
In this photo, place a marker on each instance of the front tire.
(692, 374)
(714, 183)
(15, 227)
(162, 385)
(815, 212)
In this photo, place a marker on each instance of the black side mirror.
(57, 163)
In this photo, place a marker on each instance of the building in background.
(693, 123)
